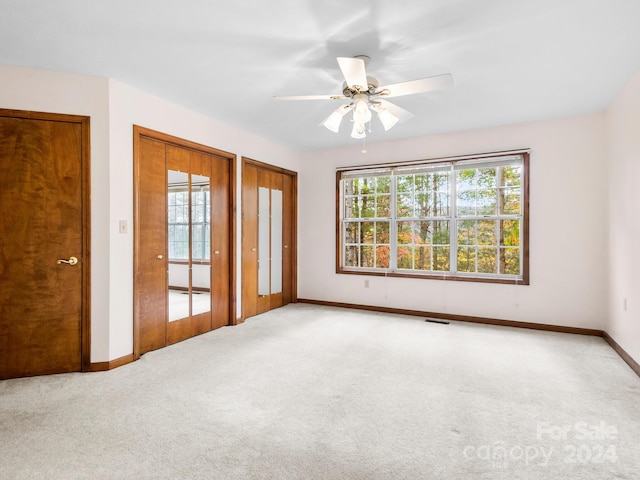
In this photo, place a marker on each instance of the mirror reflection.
(178, 244)
(200, 245)
(189, 245)
(263, 241)
(269, 241)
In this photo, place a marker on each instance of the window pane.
(197, 244)
(382, 257)
(366, 185)
(351, 256)
(405, 257)
(510, 234)
(197, 214)
(422, 258)
(366, 232)
(382, 232)
(467, 232)
(422, 232)
(366, 257)
(207, 243)
(466, 202)
(466, 259)
(350, 186)
(441, 235)
(510, 261)
(367, 206)
(405, 232)
(511, 175)
(487, 232)
(486, 178)
(441, 206)
(404, 183)
(441, 259)
(351, 207)
(465, 180)
(405, 205)
(351, 232)
(383, 184)
(486, 202)
(487, 260)
(383, 206)
(510, 201)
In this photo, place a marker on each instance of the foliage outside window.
(456, 219)
(178, 216)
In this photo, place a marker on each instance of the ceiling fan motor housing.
(371, 88)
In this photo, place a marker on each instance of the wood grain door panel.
(249, 240)
(220, 241)
(41, 221)
(151, 245)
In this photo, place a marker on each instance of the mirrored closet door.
(268, 237)
(183, 243)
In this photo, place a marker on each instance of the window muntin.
(449, 219)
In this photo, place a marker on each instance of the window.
(178, 212)
(460, 219)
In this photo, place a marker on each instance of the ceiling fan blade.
(399, 112)
(354, 72)
(422, 85)
(310, 97)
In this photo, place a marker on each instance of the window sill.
(437, 276)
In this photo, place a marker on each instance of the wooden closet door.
(288, 240)
(151, 245)
(200, 173)
(255, 176)
(249, 240)
(42, 257)
(220, 241)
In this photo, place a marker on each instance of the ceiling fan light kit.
(367, 96)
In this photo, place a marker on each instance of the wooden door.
(249, 240)
(223, 311)
(150, 289)
(167, 167)
(257, 176)
(44, 182)
(288, 240)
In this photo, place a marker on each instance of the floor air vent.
(436, 320)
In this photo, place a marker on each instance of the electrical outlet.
(122, 226)
(366, 283)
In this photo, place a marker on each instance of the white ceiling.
(512, 60)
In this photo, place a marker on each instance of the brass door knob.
(71, 261)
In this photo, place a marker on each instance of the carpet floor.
(310, 392)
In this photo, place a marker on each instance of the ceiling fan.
(365, 96)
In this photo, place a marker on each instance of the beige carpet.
(308, 392)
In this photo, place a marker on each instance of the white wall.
(623, 136)
(568, 238)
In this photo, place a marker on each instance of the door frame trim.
(85, 181)
(143, 132)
